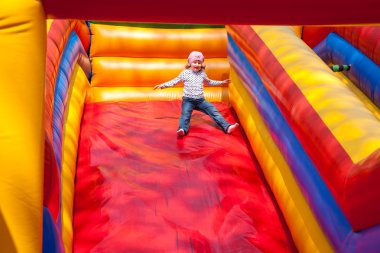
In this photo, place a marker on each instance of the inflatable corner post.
(22, 68)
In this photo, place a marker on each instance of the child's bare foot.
(181, 132)
(232, 128)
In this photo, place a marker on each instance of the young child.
(193, 77)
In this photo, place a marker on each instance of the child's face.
(196, 65)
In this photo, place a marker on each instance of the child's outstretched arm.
(215, 82)
(168, 83)
(158, 86)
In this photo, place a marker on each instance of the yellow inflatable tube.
(137, 72)
(352, 124)
(135, 94)
(22, 65)
(73, 116)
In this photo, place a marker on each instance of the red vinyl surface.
(139, 188)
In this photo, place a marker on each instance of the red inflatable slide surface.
(139, 188)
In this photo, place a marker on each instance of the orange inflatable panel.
(127, 41)
(119, 71)
(138, 94)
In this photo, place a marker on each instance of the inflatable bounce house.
(89, 156)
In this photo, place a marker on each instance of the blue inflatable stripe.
(364, 72)
(51, 240)
(315, 190)
(68, 59)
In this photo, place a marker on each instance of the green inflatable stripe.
(159, 25)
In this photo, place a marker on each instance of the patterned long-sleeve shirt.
(193, 83)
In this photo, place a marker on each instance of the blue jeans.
(200, 104)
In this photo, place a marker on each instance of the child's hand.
(227, 81)
(157, 87)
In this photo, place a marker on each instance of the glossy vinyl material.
(126, 41)
(140, 188)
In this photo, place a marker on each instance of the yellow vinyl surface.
(22, 65)
(73, 116)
